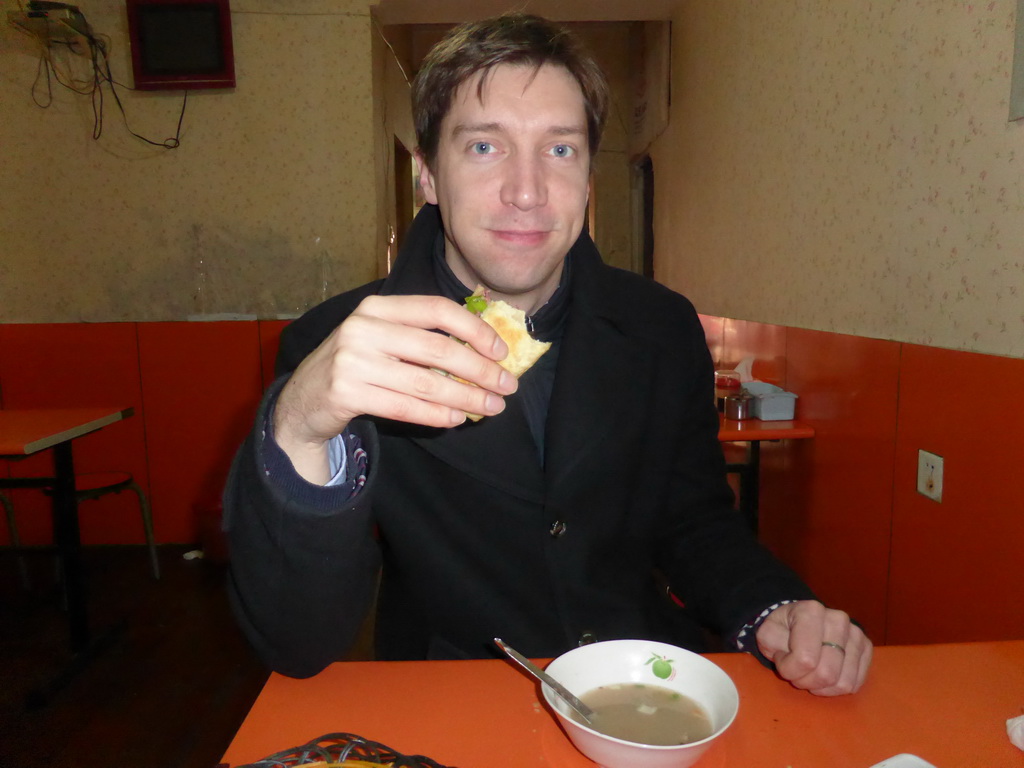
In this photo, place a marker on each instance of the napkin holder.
(771, 403)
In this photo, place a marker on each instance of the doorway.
(643, 216)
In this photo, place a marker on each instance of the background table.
(946, 703)
(24, 432)
(753, 432)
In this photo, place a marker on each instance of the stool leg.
(147, 521)
(12, 528)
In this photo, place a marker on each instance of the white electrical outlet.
(929, 475)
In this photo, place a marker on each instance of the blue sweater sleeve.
(348, 465)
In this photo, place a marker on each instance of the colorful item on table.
(342, 750)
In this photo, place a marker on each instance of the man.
(589, 485)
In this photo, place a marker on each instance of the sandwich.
(510, 324)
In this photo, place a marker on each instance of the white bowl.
(630, 661)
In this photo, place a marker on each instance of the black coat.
(462, 519)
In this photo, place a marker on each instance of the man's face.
(511, 178)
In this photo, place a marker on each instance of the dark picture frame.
(181, 44)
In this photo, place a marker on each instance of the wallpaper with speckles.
(267, 207)
(840, 165)
(847, 165)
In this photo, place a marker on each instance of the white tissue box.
(771, 403)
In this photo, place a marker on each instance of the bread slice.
(510, 323)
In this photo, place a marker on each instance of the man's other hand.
(816, 648)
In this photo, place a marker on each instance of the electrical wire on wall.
(96, 49)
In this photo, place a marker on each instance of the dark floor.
(169, 692)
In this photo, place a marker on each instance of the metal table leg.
(69, 546)
(750, 483)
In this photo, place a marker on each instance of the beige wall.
(281, 192)
(844, 166)
(268, 205)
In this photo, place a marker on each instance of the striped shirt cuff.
(746, 637)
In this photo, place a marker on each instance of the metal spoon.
(585, 712)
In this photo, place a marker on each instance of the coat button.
(557, 529)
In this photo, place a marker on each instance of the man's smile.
(524, 237)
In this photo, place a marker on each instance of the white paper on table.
(905, 760)
(1015, 730)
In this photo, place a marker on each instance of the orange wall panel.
(78, 364)
(827, 502)
(841, 508)
(714, 335)
(956, 572)
(202, 382)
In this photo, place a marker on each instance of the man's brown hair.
(479, 46)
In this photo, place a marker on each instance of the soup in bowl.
(656, 705)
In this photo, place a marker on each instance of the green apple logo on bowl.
(661, 667)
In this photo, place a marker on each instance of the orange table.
(27, 431)
(23, 432)
(945, 703)
(753, 431)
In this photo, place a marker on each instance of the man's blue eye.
(562, 150)
(482, 147)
